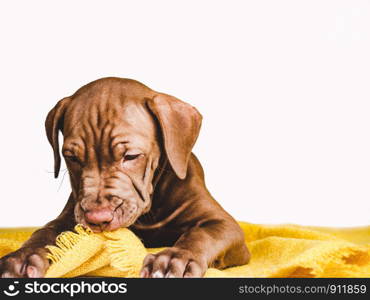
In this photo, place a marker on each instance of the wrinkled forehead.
(110, 123)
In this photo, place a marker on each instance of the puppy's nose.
(100, 216)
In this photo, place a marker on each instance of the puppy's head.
(116, 133)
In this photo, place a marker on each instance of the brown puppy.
(128, 153)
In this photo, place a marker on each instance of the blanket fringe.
(126, 252)
(81, 244)
(66, 241)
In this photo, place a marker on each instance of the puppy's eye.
(131, 156)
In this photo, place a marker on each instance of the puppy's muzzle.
(101, 217)
(107, 215)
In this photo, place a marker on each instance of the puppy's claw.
(170, 275)
(144, 273)
(157, 274)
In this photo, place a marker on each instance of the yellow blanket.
(277, 251)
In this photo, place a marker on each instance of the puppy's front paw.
(172, 262)
(25, 262)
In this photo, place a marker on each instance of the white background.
(284, 88)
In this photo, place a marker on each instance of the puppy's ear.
(54, 123)
(180, 124)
